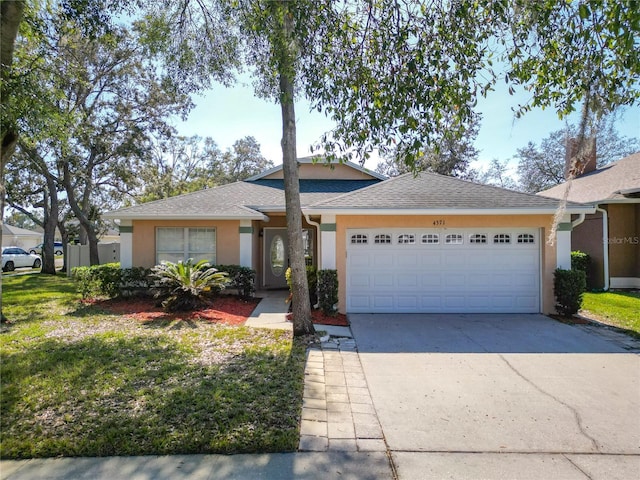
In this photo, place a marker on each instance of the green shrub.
(86, 283)
(568, 287)
(328, 291)
(580, 261)
(98, 280)
(312, 284)
(185, 285)
(241, 278)
(108, 276)
(135, 281)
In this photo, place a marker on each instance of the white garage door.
(443, 270)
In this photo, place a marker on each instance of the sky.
(229, 114)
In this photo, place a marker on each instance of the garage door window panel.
(382, 239)
(430, 239)
(478, 238)
(502, 238)
(359, 239)
(406, 239)
(453, 239)
(526, 238)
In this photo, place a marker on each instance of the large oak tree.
(407, 74)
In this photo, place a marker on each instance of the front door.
(276, 257)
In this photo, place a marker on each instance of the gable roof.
(432, 193)
(240, 200)
(10, 230)
(612, 183)
(251, 198)
(328, 169)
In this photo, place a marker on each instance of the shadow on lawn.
(142, 395)
(171, 323)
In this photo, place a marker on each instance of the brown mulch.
(230, 310)
(227, 309)
(319, 318)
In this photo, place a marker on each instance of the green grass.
(78, 382)
(621, 309)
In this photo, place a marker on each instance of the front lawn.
(620, 309)
(80, 381)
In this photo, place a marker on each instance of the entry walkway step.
(271, 312)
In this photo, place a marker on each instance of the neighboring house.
(611, 235)
(408, 244)
(20, 237)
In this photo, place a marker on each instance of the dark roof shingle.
(433, 191)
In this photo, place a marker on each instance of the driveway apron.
(452, 391)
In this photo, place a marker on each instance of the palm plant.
(185, 285)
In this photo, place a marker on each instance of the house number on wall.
(438, 223)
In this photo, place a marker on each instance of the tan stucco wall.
(144, 239)
(320, 171)
(624, 240)
(548, 260)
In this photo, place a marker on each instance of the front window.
(174, 244)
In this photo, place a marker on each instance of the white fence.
(78, 255)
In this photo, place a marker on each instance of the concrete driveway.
(501, 396)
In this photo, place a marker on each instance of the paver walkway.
(337, 411)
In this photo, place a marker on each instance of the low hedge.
(109, 280)
(98, 280)
(241, 278)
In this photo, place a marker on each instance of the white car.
(16, 257)
(58, 248)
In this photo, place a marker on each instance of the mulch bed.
(319, 318)
(229, 310)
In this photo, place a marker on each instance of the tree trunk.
(302, 324)
(11, 12)
(65, 242)
(50, 224)
(85, 223)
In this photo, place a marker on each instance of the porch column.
(126, 243)
(328, 241)
(246, 248)
(563, 243)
